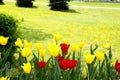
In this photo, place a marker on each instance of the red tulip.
(63, 64)
(64, 48)
(60, 58)
(117, 66)
(41, 64)
(67, 64)
(72, 64)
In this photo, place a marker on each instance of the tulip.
(42, 52)
(64, 48)
(3, 40)
(89, 58)
(18, 43)
(84, 73)
(65, 41)
(38, 46)
(117, 66)
(74, 47)
(67, 64)
(99, 55)
(25, 52)
(41, 64)
(26, 67)
(27, 44)
(4, 78)
(60, 58)
(53, 49)
(81, 44)
(106, 46)
(113, 63)
(56, 37)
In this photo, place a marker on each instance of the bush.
(1, 2)
(59, 5)
(8, 28)
(24, 3)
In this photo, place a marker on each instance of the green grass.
(98, 4)
(77, 24)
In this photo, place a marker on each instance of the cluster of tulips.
(63, 64)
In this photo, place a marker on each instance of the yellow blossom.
(113, 63)
(42, 52)
(106, 46)
(56, 37)
(74, 47)
(99, 55)
(27, 67)
(89, 58)
(65, 41)
(4, 78)
(18, 43)
(84, 73)
(38, 46)
(53, 49)
(25, 52)
(27, 44)
(81, 44)
(3, 40)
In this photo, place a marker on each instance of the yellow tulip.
(84, 73)
(81, 44)
(4, 78)
(27, 44)
(25, 52)
(56, 37)
(53, 49)
(38, 46)
(74, 47)
(27, 67)
(106, 46)
(65, 41)
(89, 58)
(99, 55)
(3, 40)
(42, 52)
(18, 43)
(113, 63)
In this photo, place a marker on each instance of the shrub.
(59, 5)
(24, 3)
(1, 2)
(8, 28)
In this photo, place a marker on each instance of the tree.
(58, 4)
(1, 1)
(24, 3)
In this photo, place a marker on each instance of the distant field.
(77, 24)
(98, 4)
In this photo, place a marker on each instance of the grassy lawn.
(98, 4)
(77, 24)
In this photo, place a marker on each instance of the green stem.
(99, 71)
(27, 77)
(56, 42)
(80, 57)
(38, 55)
(88, 71)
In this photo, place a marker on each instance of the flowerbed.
(62, 65)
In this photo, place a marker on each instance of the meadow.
(91, 25)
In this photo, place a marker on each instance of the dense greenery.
(9, 29)
(24, 3)
(59, 4)
(1, 1)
